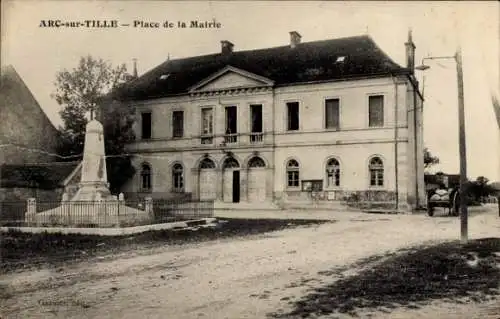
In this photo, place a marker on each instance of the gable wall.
(24, 123)
(229, 80)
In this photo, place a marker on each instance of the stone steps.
(245, 206)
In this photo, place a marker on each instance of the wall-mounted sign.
(312, 185)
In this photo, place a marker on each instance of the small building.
(301, 123)
(26, 133)
(28, 145)
(44, 182)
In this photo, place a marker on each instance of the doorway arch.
(231, 180)
(256, 191)
(207, 179)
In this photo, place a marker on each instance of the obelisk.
(94, 180)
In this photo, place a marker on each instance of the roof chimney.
(294, 39)
(226, 47)
(410, 52)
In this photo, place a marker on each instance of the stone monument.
(93, 203)
(94, 181)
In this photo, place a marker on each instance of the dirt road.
(234, 278)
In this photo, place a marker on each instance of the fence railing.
(230, 138)
(256, 137)
(116, 213)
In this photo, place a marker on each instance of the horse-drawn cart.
(445, 198)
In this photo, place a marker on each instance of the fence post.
(148, 207)
(121, 204)
(31, 211)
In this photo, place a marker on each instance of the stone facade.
(262, 160)
(353, 144)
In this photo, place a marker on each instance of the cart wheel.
(430, 211)
(456, 204)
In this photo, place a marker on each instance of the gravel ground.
(245, 277)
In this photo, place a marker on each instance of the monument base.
(93, 191)
(110, 213)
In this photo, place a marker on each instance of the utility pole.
(462, 150)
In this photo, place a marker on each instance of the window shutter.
(376, 111)
(332, 113)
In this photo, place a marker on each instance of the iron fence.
(12, 213)
(178, 210)
(101, 213)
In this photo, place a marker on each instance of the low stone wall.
(118, 231)
(108, 213)
(135, 197)
(10, 194)
(363, 200)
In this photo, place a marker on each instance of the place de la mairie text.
(138, 24)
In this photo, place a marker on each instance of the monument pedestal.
(93, 203)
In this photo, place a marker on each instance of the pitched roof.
(46, 176)
(12, 86)
(307, 62)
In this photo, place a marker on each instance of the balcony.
(230, 138)
(207, 139)
(256, 137)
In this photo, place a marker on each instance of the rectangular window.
(293, 178)
(256, 115)
(146, 125)
(332, 113)
(377, 177)
(376, 111)
(207, 121)
(292, 116)
(256, 135)
(207, 125)
(178, 123)
(231, 125)
(146, 182)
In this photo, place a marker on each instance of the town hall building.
(324, 121)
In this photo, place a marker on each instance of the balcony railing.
(207, 139)
(256, 137)
(230, 138)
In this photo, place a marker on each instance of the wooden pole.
(462, 150)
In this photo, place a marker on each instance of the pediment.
(231, 78)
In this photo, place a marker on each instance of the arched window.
(230, 162)
(332, 173)
(292, 173)
(376, 167)
(145, 177)
(207, 163)
(256, 162)
(178, 178)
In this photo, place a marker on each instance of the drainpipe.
(273, 132)
(396, 169)
(415, 143)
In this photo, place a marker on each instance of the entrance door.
(256, 185)
(236, 186)
(256, 180)
(208, 178)
(228, 186)
(231, 183)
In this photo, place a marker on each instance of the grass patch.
(20, 250)
(446, 271)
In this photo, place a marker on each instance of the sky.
(438, 27)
